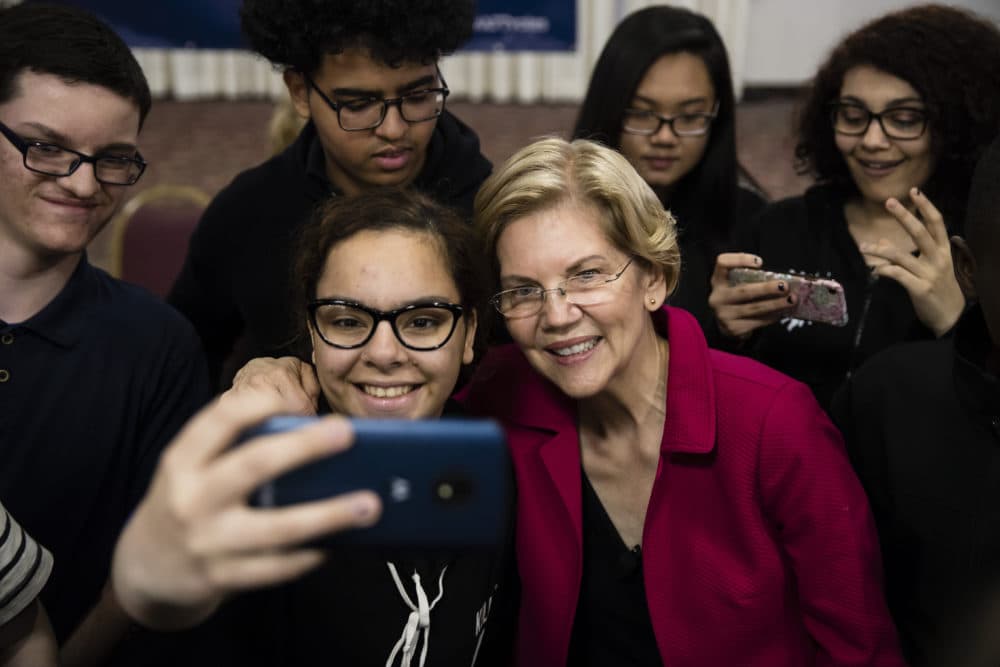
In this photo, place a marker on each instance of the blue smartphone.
(444, 483)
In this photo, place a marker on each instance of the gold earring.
(652, 300)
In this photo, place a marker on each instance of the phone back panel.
(818, 299)
(444, 483)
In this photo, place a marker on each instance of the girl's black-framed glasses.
(418, 326)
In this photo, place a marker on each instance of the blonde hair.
(552, 171)
(284, 126)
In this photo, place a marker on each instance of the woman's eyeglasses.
(853, 120)
(348, 325)
(584, 289)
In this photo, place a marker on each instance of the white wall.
(788, 39)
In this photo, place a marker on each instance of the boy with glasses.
(365, 76)
(95, 375)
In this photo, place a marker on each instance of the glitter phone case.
(818, 299)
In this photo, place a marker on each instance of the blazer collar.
(690, 411)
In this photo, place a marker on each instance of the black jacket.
(809, 234)
(922, 427)
(698, 252)
(236, 286)
(351, 612)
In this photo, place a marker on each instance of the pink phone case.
(819, 299)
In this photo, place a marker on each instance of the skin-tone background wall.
(207, 143)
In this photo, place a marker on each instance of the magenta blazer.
(759, 547)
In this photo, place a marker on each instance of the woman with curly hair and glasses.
(892, 126)
(661, 94)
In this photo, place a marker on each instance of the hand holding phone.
(444, 483)
(816, 299)
(193, 539)
(742, 309)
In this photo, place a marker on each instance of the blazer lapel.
(561, 458)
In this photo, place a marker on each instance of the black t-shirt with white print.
(352, 611)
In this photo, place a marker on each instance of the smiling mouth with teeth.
(879, 165)
(387, 392)
(576, 349)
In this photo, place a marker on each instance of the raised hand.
(929, 277)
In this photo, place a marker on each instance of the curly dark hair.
(387, 209)
(72, 44)
(298, 33)
(950, 57)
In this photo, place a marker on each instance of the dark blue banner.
(203, 24)
(524, 25)
(507, 25)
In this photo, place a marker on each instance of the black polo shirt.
(91, 389)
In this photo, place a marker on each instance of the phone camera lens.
(399, 489)
(453, 489)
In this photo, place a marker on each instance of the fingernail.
(339, 432)
(890, 203)
(917, 192)
(781, 287)
(758, 261)
(364, 508)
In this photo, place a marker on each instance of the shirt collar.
(64, 319)
(315, 158)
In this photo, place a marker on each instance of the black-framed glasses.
(584, 289)
(648, 123)
(54, 160)
(418, 326)
(367, 113)
(854, 119)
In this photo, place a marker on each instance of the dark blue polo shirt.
(91, 389)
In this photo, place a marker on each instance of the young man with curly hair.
(365, 76)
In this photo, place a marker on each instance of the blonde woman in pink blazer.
(676, 505)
